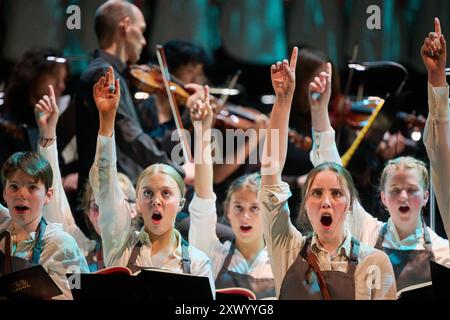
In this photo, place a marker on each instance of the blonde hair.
(127, 186)
(165, 169)
(406, 163)
(345, 181)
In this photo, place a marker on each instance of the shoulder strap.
(427, 238)
(37, 249)
(99, 255)
(185, 258)
(133, 257)
(8, 261)
(312, 260)
(381, 236)
(229, 256)
(353, 262)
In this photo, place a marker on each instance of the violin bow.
(187, 155)
(346, 92)
(359, 138)
(224, 96)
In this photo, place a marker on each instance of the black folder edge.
(139, 287)
(19, 284)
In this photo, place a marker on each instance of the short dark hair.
(180, 53)
(108, 16)
(30, 163)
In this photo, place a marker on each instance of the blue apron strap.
(37, 249)
(185, 258)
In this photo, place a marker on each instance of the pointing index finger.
(206, 88)
(294, 55)
(437, 27)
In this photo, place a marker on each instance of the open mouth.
(21, 209)
(246, 228)
(156, 217)
(403, 209)
(326, 219)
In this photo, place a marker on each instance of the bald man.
(119, 26)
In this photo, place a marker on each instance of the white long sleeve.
(58, 209)
(437, 143)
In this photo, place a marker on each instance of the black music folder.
(148, 284)
(437, 289)
(28, 284)
(441, 281)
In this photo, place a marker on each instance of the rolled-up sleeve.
(324, 148)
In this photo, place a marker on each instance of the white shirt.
(118, 238)
(60, 254)
(202, 234)
(363, 225)
(58, 209)
(284, 243)
(436, 138)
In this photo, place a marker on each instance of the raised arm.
(202, 209)
(275, 147)
(362, 225)
(58, 209)
(437, 129)
(201, 116)
(114, 219)
(324, 147)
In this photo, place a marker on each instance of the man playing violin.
(119, 27)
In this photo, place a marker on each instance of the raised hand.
(107, 97)
(283, 75)
(320, 90)
(107, 93)
(434, 55)
(202, 111)
(46, 113)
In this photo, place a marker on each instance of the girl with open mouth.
(159, 197)
(243, 262)
(404, 183)
(324, 261)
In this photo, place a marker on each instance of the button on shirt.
(338, 262)
(284, 243)
(365, 227)
(115, 222)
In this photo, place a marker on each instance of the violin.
(149, 79)
(355, 114)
